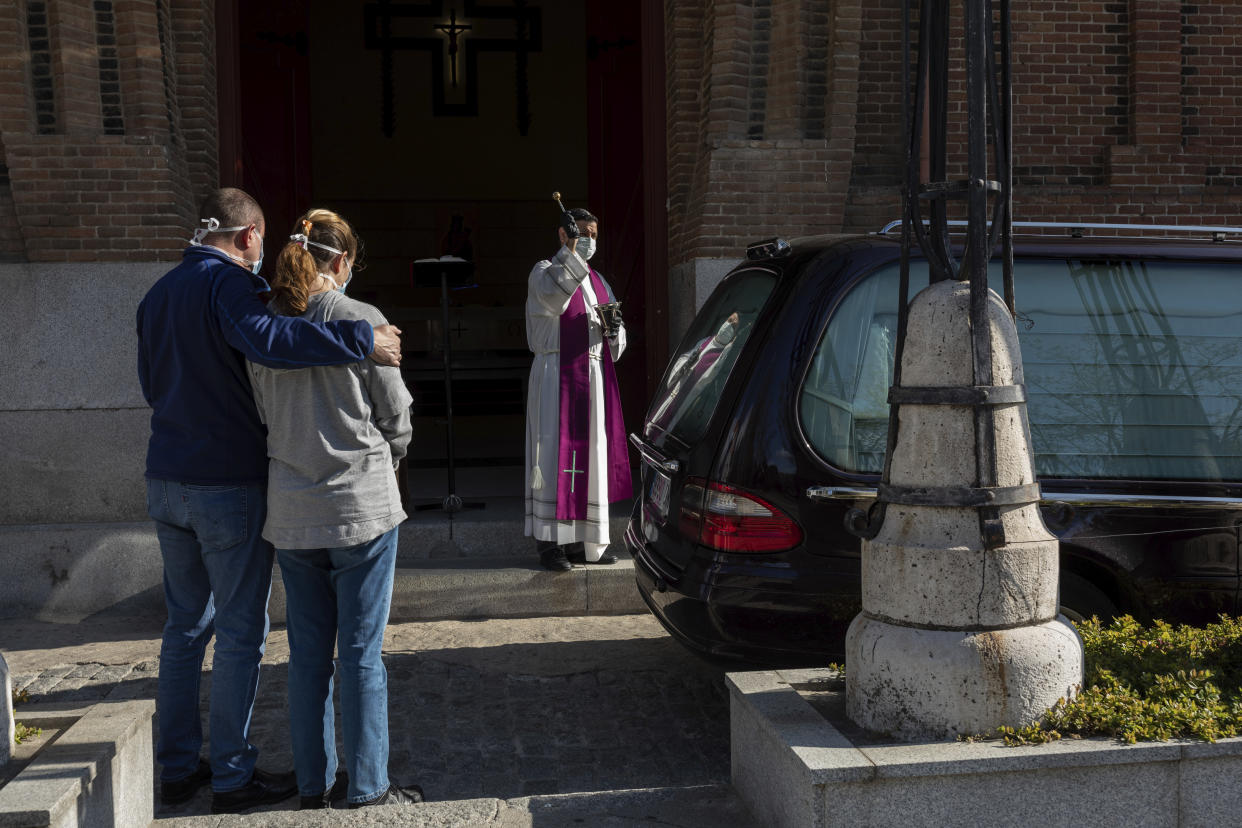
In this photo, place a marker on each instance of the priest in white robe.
(576, 457)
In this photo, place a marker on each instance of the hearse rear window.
(1133, 369)
(687, 396)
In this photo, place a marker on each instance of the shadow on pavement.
(504, 721)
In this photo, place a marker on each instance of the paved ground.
(501, 709)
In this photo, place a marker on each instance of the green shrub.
(1146, 684)
(21, 732)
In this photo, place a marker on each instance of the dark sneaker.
(183, 790)
(395, 795)
(555, 560)
(337, 793)
(263, 789)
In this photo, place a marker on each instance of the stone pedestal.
(954, 637)
(7, 728)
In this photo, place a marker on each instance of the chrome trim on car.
(838, 493)
(654, 457)
(1145, 501)
(1076, 499)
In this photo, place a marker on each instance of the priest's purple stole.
(573, 456)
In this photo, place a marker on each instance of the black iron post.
(987, 194)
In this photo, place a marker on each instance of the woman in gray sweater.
(335, 435)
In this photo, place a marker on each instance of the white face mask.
(212, 225)
(256, 266)
(586, 247)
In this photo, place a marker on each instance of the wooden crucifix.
(426, 27)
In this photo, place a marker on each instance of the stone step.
(472, 563)
(495, 530)
(699, 806)
(506, 587)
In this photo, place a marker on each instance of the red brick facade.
(107, 111)
(783, 116)
(1124, 111)
(762, 107)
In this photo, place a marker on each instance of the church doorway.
(443, 127)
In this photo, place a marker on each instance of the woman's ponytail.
(295, 275)
(320, 236)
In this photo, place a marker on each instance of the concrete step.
(506, 587)
(700, 806)
(468, 564)
(493, 531)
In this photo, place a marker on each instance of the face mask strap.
(302, 241)
(211, 225)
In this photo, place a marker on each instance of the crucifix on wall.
(453, 43)
(452, 30)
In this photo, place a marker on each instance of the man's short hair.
(232, 208)
(580, 214)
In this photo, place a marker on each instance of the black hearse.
(770, 423)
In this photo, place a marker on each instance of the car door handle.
(838, 493)
(654, 457)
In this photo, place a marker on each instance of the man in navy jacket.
(206, 481)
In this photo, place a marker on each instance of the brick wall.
(1123, 111)
(761, 115)
(783, 117)
(107, 111)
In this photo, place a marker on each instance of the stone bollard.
(954, 638)
(8, 729)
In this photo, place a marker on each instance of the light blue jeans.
(339, 596)
(217, 576)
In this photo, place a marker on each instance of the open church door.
(262, 79)
(616, 180)
(343, 106)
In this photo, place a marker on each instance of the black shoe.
(407, 795)
(579, 557)
(555, 560)
(263, 789)
(183, 790)
(338, 791)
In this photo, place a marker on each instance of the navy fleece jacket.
(197, 326)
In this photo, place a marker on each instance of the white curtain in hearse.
(1133, 369)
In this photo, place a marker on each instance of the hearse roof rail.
(1080, 229)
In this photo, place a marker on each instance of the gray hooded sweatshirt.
(334, 436)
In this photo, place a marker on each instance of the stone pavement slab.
(494, 710)
(702, 806)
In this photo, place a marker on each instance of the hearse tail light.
(730, 520)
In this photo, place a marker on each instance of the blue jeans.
(339, 596)
(217, 576)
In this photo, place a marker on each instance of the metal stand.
(427, 273)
